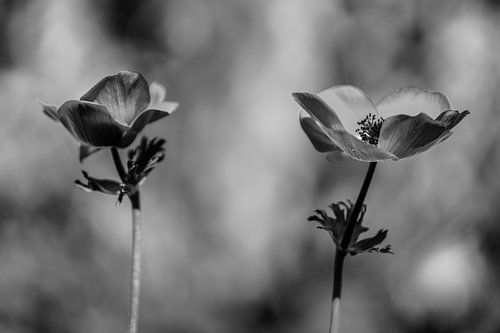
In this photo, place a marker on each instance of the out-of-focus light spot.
(462, 53)
(445, 282)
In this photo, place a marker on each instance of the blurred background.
(227, 247)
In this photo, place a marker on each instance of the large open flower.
(343, 119)
(114, 111)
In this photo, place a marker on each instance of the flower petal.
(318, 138)
(412, 101)
(405, 136)
(318, 110)
(50, 111)
(333, 128)
(451, 118)
(158, 92)
(91, 123)
(350, 104)
(125, 95)
(140, 122)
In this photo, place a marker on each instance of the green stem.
(341, 253)
(135, 281)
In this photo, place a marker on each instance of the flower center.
(369, 128)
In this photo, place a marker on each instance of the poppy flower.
(113, 112)
(343, 119)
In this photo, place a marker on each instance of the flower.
(343, 119)
(113, 112)
(337, 224)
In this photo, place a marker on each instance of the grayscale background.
(227, 247)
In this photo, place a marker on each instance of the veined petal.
(451, 118)
(405, 136)
(125, 95)
(411, 101)
(90, 123)
(330, 124)
(318, 138)
(318, 110)
(350, 104)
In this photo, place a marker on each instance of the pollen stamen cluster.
(369, 128)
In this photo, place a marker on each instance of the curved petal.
(50, 111)
(451, 118)
(350, 104)
(90, 123)
(411, 101)
(318, 110)
(405, 136)
(125, 94)
(158, 92)
(139, 123)
(330, 125)
(318, 138)
(147, 117)
(127, 138)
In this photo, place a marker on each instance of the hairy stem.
(341, 253)
(135, 280)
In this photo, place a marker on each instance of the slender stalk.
(341, 253)
(357, 206)
(337, 290)
(135, 280)
(118, 164)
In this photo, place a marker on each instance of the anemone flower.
(113, 112)
(343, 119)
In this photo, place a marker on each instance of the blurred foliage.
(227, 244)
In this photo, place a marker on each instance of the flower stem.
(341, 253)
(135, 280)
(337, 290)
(118, 164)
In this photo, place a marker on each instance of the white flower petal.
(411, 101)
(350, 104)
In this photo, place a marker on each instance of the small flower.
(141, 161)
(337, 224)
(113, 112)
(343, 119)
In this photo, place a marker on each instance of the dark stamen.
(369, 128)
